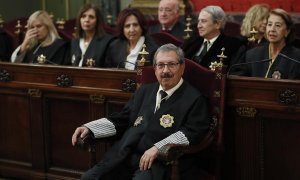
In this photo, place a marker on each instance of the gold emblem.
(276, 75)
(90, 62)
(41, 59)
(166, 121)
(138, 121)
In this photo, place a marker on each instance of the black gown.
(53, 54)
(232, 47)
(186, 106)
(284, 67)
(96, 51)
(117, 52)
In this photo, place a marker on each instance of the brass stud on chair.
(219, 64)
(143, 53)
(188, 28)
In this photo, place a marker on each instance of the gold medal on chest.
(138, 121)
(166, 120)
(90, 62)
(41, 59)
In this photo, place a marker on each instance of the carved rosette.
(64, 80)
(129, 85)
(5, 76)
(246, 111)
(288, 97)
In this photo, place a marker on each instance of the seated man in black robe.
(168, 111)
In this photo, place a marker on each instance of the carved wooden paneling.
(39, 113)
(264, 118)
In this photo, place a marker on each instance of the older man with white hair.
(205, 47)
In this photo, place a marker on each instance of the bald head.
(168, 12)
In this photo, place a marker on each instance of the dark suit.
(288, 69)
(231, 45)
(117, 52)
(189, 110)
(96, 51)
(177, 30)
(5, 47)
(54, 53)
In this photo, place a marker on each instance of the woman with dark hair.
(284, 61)
(42, 43)
(123, 52)
(90, 44)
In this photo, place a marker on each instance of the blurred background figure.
(254, 24)
(283, 57)
(168, 17)
(123, 52)
(91, 42)
(42, 43)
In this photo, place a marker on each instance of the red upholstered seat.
(162, 38)
(232, 29)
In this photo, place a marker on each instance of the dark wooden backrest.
(162, 38)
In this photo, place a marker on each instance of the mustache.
(166, 75)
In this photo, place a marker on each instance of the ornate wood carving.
(288, 97)
(34, 93)
(246, 111)
(97, 99)
(5, 76)
(129, 85)
(64, 80)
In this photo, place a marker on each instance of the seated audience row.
(92, 47)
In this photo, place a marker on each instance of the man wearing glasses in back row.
(168, 111)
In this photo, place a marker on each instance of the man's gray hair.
(217, 13)
(170, 47)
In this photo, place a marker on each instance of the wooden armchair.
(212, 85)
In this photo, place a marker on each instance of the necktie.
(203, 52)
(163, 95)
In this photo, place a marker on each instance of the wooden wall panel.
(40, 108)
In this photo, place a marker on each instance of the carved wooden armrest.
(171, 152)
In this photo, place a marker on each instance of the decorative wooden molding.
(288, 97)
(64, 80)
(129, 85)
(34, 93)
(97, 99)
(5, 76)
(246, 111)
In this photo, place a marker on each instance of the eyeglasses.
(161, 66)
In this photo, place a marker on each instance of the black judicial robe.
(177, 30)
(96, 51)
(190, 114)
(232, 47)
(288, 69)
(117, 52)
(54, 53)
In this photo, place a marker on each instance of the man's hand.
(148, 157)
(80, 131)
